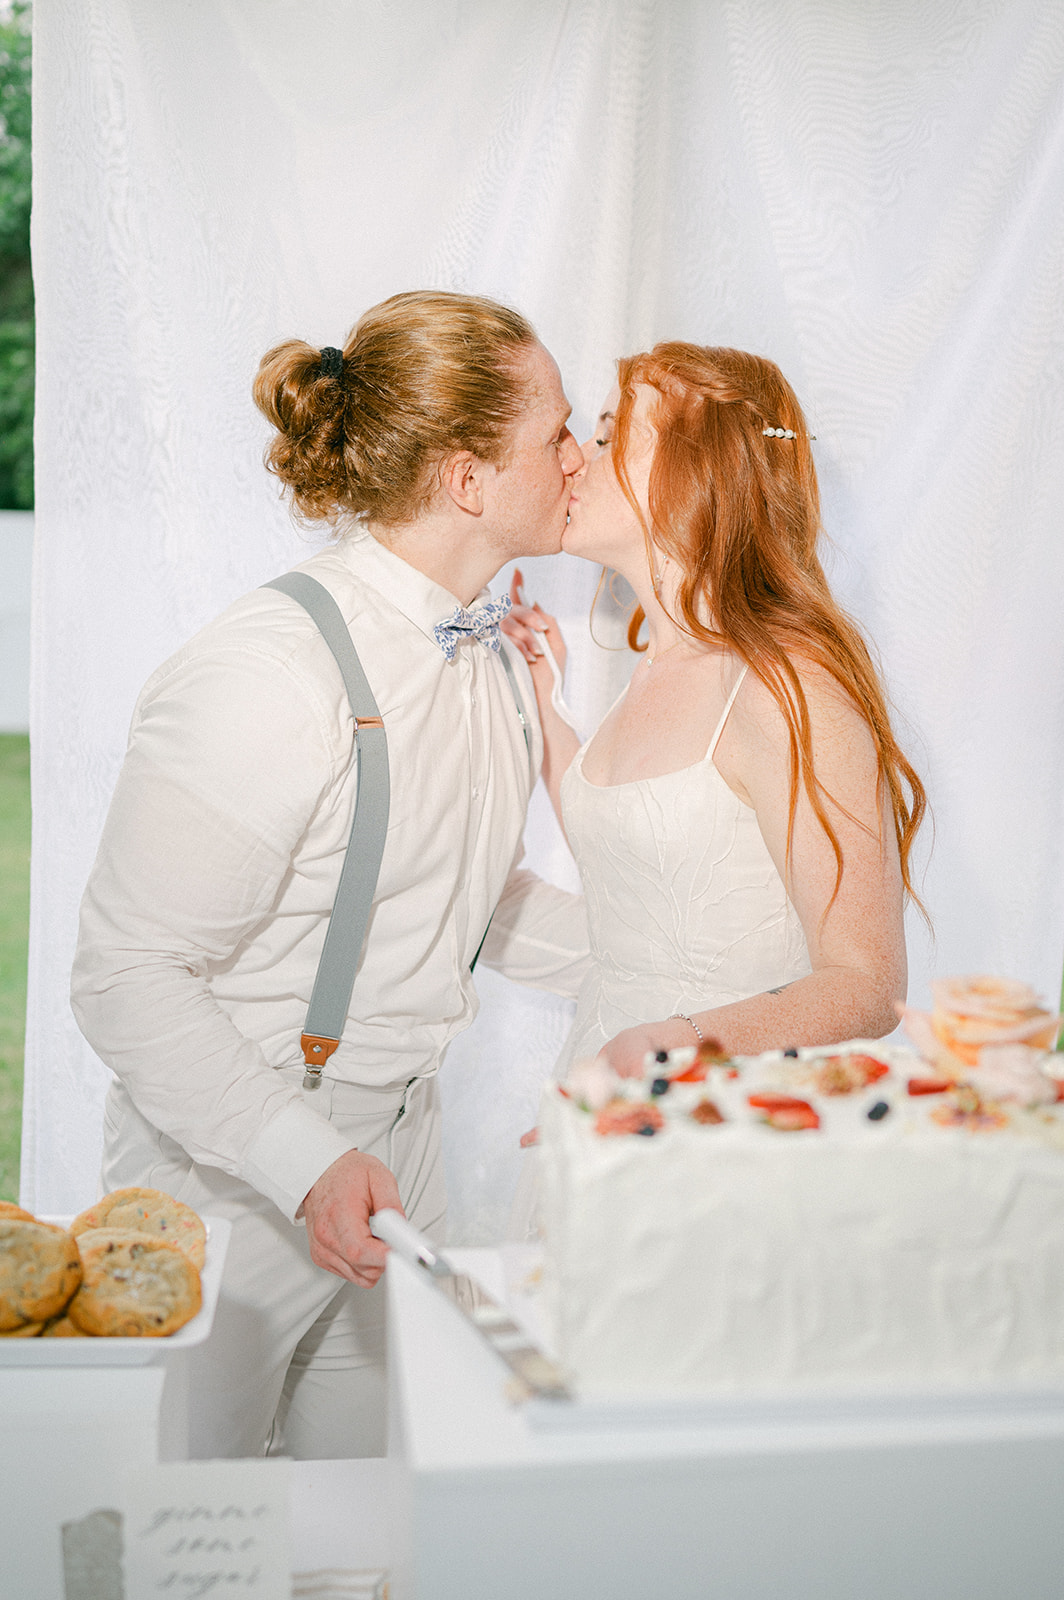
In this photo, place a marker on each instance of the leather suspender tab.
(316, 1052)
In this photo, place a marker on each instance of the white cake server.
(536, 1372)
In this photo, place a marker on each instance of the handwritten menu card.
(202, 1530)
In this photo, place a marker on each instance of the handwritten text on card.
(203, 1530)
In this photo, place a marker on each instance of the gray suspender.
(331, 996)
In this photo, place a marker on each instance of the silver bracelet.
(680, 1016)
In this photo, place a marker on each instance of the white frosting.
(707, 1259)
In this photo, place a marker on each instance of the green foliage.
(14, 933)
(16, 280)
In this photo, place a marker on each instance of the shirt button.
(476, 794)
(472, 699)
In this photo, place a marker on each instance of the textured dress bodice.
(686, 909)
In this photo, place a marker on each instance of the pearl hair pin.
(782, 433)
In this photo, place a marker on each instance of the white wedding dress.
(686, 910)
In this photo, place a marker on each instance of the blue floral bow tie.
(481, 623)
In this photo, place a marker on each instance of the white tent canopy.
(870, 194)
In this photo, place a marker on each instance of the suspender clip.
(316, 1052)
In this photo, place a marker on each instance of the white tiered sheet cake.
(848, 1229)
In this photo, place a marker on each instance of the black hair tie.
(332, 363)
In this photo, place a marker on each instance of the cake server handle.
(393, 1228)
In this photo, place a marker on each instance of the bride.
(743, 817)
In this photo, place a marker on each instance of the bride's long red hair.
(739, 512)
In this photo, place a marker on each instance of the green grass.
(14, 929)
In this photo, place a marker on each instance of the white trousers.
(295, 1361)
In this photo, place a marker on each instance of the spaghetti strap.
(578, 759)
(727, 708)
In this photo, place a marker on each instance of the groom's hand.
(337, 1211)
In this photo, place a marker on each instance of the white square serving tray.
(91, 1352)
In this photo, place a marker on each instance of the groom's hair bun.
(364, 431)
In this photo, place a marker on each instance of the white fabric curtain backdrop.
(870, 194)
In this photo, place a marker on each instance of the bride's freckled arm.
(855, 937)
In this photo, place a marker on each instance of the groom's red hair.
(738, 510)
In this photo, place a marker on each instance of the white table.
(76, 1419)
(877, 1502)
(70, 1436)
(873, 1503)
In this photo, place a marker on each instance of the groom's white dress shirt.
(206, 910)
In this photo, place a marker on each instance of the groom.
(205, 913)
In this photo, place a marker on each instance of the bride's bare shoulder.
(827, 702)
(758, 732)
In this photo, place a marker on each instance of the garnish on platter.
(706, 1113)
(964, 1108)
(987, 1041)
(846, 1074)
(710, 1053)
(784, 1111)
(622, 1105)
(1014, 1072)
(629, 1116)
(970, 1015)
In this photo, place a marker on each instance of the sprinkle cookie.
(147, 1211)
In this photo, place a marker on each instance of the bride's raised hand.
(526, 626)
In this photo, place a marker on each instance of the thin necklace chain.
(650, 660)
